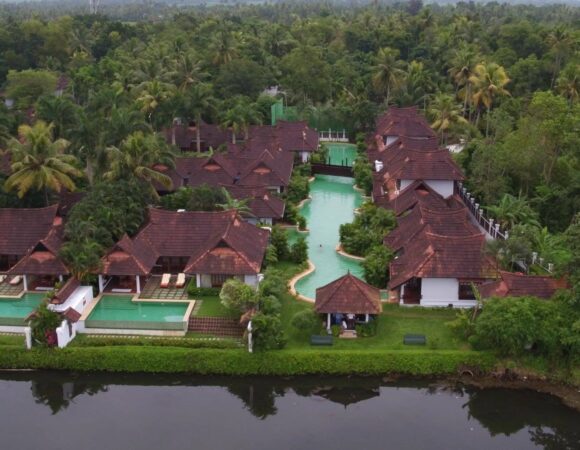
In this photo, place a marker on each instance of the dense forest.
(86, 97)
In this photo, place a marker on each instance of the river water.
(49, 410)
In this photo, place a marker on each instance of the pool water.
(122, 309)
(19, 308)
(341, 154)
(333, 202)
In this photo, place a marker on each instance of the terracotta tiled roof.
(434, 256)
(67, 200)
(21, 228)
(213, 242)
(349, 295)
(296, 136)
(518, 285)
(403, 122)
(66, 291)
(421, 193)
(72, 315)
(262, 202)
(184, 136)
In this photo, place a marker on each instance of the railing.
(333, 136)
(493, 229)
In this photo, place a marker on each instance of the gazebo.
(347, 301)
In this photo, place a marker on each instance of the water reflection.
(501, 412)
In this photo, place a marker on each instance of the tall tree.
(60, 111)
(462, 64)
(561, 44)
(197, 101)
(388, 73)
(446, 113)
(39, 162)
(568, 83)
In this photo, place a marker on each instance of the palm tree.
(418, 83)
(197, 101)
(561, 44)
(187, 71)
(240, 117)
(462, 65)
(59, 111)
(568, 83)
(241, 206)
(446, 113)
(388, 71)
(224, 47)
(511, 211)
(138, 157)
(39, 162)
(489, 81)
(151, 94)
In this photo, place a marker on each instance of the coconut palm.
(561, 44)
(568, 83)
(224, 46)
(418, 83)
(59, 111)
(388, 72)
(240, 117)
(241, 206)
(39, 162)
(197, 101)
(489, 81)
(151, 94)
(140, 156)
(462, 64)
(446, 113)
(186, 72)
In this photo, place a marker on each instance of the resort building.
(264, 206)
(397, 122)
(518, 285)
(346, 302)
(172, 247)
(29, 245)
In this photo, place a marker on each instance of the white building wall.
(205, 281)
(442, 292)
(443, 187)
(405, 183)
(79, 300)
(65, 334)
(251, 280)
(390, 139)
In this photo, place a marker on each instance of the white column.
(60, 278)
(138, 284)
(401, 301)
(101, 287)
(198, 280)
(25, 282)
(366, 318)
(328, 321)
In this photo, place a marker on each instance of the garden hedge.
(239, 362)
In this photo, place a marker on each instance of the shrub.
(299, 251)
(267, 332)
(43, 324)
(193, 291)
(367, 230)
(376, 266)
(272, 284)
(305, 320)
(238, 296)
(363, 173)
(367, 329)
(301, 221)
(335, 330)
(270, 305)
(298, 188)
(271, 256)
(279, 240)
(463, 325)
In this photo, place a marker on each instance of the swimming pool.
(119, 311)
(333, 202)
(341, 154)
(13, 311)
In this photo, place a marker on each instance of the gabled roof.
(403, 122)
(418, 192)
(296, 136)
(66, 291)
(213, 242)
(262, 203)
(430, 255)
(518, 285)
(23, 228)
(43, 258)
(348, 294)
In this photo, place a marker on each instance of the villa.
(211, 247)
(517, 285)
(397, 122)
(265, 207)
(348, 301)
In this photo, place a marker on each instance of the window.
(217, 280)
(466, 290)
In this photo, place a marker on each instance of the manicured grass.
(212, 307)
(12, 339)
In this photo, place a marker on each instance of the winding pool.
(333, 202)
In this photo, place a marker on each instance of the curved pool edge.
(292, 283)
(341, 252)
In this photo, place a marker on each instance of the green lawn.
(212, 307)
(394, 323)
(12, 339)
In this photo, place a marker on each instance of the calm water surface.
(67, 411)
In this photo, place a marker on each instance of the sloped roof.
(262, 202)
(66, 201)
(418, 192)
(66, 291)
(430, 255)
(43, 258)
(403, 122)
(196, 235)
(518, 285)
(348, 294)
(23, 228)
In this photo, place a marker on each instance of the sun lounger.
(15, 280)
(165, 280)
(180, 280)
(121, 290)
(2, 278)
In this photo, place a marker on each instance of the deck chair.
(15, 280)
(180, 280)
(165, 280)
(2, 278)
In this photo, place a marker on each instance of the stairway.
(216, 326)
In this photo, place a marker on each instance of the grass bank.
(204, 361)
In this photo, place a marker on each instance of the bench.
(320, 340)
(414, 339)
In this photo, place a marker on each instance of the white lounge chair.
(180, 280)
(15, 280)
(165, 280)
(2, 278)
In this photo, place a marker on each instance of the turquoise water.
(341, 154)
(122, 309)
(19, 308)
(333, 203)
